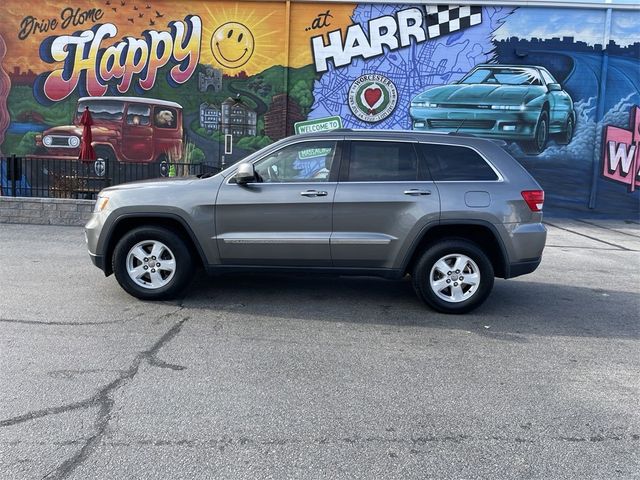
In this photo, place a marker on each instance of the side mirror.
(554, 87)
(245, 174)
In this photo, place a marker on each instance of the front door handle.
(314, 193)
(416, 192)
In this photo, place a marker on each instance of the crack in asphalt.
(583, 248)
(590, 237)
(229, 442)
(607, 228)
(102, 399)
(64, 324)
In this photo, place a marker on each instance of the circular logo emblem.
(372, 97)
(232, 44)
(100, 167)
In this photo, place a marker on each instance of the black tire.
(111, 165)
(564, 138)
(472, 296)
(176, 248)
(540, 136)
(160, 168)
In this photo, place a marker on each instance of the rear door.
(383, 200)
(137, 133)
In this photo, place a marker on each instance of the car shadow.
(516, 308)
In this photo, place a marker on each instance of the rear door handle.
(416, 192)
(314, 193)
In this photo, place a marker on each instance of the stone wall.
(45, 211)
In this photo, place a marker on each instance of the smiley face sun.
(232, 44)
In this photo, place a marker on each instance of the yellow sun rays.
(265, 21)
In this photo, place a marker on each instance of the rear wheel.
(453, 276)
(152, 263)
(160, 167)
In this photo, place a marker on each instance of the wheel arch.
(128, 222)
(479, 232)
(105, 146)
(545, 107)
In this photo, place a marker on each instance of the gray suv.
(451, 211)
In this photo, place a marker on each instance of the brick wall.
(45, 211)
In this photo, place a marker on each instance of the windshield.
(112, 111)
(503, 76)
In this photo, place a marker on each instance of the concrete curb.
(45, 211)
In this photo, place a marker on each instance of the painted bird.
(152, 23)
(159, 15)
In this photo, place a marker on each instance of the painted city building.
(559, 85)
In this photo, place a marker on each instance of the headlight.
(47, 140)
(507, 107)
(424, 104)
(74, 142)
(101, 204)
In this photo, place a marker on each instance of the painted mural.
(203, 81)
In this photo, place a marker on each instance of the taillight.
(534, 199)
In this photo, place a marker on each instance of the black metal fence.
(63, 178)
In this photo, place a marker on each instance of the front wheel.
(152, 263)
(453, 276)
(564, 138)
(540, 136)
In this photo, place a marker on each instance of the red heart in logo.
(372, 95)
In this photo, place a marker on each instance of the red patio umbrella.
(86, 149)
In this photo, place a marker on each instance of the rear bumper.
(522, 268)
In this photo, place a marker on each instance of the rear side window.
(382, 162)
(456, 163)
(165, 117)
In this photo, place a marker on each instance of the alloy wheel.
(454, 278)
(151, 264)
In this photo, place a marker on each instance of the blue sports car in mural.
(519, 103)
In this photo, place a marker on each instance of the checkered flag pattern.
(444, 19)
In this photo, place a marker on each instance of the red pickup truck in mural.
(126, 129)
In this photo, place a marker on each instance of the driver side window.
(301, 162)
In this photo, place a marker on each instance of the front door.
(284, 217)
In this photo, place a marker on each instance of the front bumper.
(97, 260)
(504, 124)
(92, 231)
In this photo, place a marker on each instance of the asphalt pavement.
(273, 376)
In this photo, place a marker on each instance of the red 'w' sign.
(621, 157)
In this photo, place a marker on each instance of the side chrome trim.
(280, 238)
(302, 238)
(361, 238)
